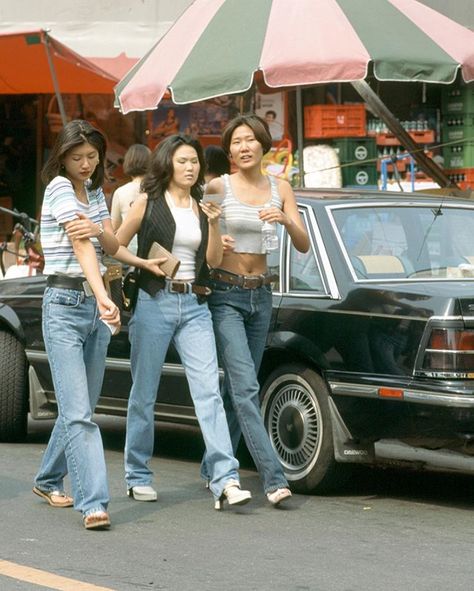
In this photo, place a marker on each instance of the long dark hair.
(158, 179)
(73, 134)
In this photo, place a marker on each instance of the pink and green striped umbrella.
(217, 46)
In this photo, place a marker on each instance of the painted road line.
(45, 579)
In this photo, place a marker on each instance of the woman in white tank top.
(174, 310)
(241, 302)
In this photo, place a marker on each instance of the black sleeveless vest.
(159, 226)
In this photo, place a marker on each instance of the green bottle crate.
(355, 149)
(458, 127)
(459, 155)
(459, 99)
(359, 175)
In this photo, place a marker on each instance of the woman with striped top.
(78, 318)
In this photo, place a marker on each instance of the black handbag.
(131, 280)
(130, 289)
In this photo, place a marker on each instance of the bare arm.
(129, 227)
(87, 257)
(133, 220)
(289, 217)
(216, 187)
(83, 228)
(214, 249)
(115, 214)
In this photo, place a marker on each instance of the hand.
(153, 266)
(109, 312)
(83, 228)
(212, 210)
(227, 243)
(274, 215)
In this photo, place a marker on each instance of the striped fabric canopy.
(216, 46)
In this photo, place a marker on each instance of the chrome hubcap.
(294, 423)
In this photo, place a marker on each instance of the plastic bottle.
(269, 235)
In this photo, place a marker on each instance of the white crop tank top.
(240, 220)
(186, 239)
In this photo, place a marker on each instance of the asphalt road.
(385, 531)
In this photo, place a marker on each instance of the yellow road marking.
(45, 579)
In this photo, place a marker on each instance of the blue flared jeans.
(241, 319)
(76, 343)
(157, 321)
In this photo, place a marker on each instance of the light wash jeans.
(157, 321)
(241, 319)
(76, 343)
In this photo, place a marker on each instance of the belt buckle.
(172, 286)
(87, 288)
(178, 287)
(252, 282)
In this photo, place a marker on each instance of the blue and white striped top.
(60, 205)
(240, 220)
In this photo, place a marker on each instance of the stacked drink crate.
(358, 159)
(344, 128)
(457, 108)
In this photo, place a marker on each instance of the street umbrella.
(217, 46)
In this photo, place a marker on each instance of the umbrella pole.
(299, 133)
(381, 110)
(55, 79)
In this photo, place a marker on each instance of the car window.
(399, 242)
(273, 265)
(304, 272)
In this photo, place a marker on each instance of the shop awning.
(26, 69)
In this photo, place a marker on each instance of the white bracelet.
(101, 229)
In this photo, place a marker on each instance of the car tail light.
(450, 350)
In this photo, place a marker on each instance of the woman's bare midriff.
(244, 264)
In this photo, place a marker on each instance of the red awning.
(25, 69)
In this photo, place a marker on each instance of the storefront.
(39, 76)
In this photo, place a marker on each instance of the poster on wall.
(204, 118)
(271, 107)
(167, 120)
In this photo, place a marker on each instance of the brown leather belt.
(245, 281)
(186, 287)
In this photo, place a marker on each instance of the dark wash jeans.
(241, 318)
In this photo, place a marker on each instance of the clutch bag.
(171, 265)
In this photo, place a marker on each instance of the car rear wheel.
(296, 414)
(13, 389)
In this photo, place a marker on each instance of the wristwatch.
(101, 229)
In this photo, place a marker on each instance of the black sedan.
(370, 354)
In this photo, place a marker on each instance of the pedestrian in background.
(172, 214)
(241, 299)
(217, 163)
(135, 164)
